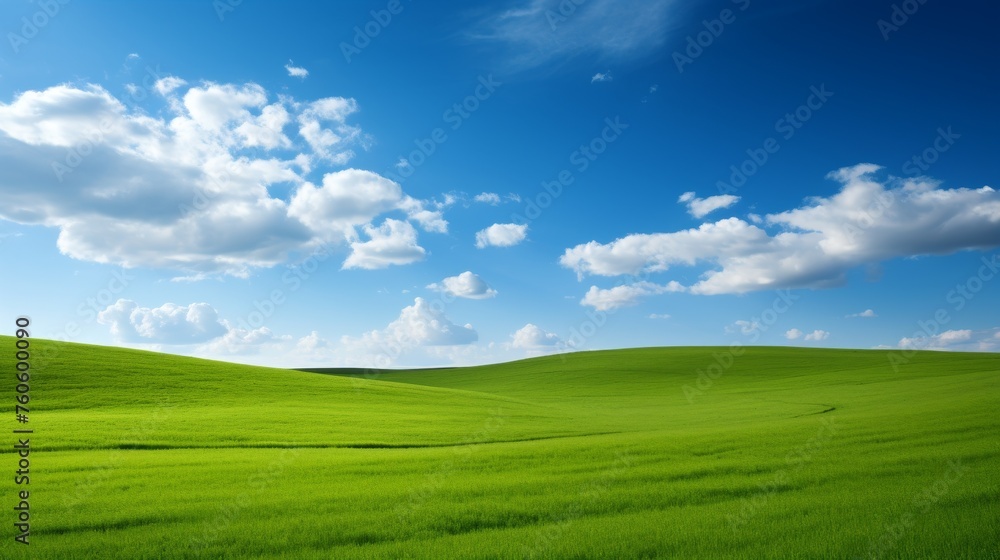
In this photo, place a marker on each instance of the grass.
(787, 453)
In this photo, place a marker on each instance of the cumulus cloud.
(941, 341)
(487, 198)
(197, 325)
(700, 207)
(492, 198)
(195, 189)
(420, 325)
(296, 71)
(868, 221)
(817, 335)
(601, 77)
(346, 199)
(501, 235)
(392, 243)
(323, 124)
(167, 85)
(466, 285)
(745, 327)
(240, 341)
(867, 313)
(313, 343)
(623, 296)
(954, 340)
(540, 31)
(167, 324)
(532, 337)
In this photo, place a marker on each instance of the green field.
(783, 453)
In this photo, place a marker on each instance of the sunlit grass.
(787, 454)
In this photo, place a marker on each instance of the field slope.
(640, 453)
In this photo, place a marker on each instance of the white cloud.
(488, 198)
(540, 31)
(420, 325)
(700, 207)
(653, 88)
(296, 71)
(817, 335)
(955, 340)
(216, 105)
(501, 235)
(239, 341)
(532, 337)
(347, 198)
(623, 296)
(167, 324)
(937, 342)
(466, 285)
(494, 199)
(312, 342)
(867, 313)
(601, 77)
(866, 222)
(166, 86)
(744, 327)
(392, 243)
(330, 144)
(659, 316)
(195, 189)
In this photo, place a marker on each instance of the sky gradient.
(395, 183)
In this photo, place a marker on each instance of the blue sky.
(396, 183)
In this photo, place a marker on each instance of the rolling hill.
(639, 453)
